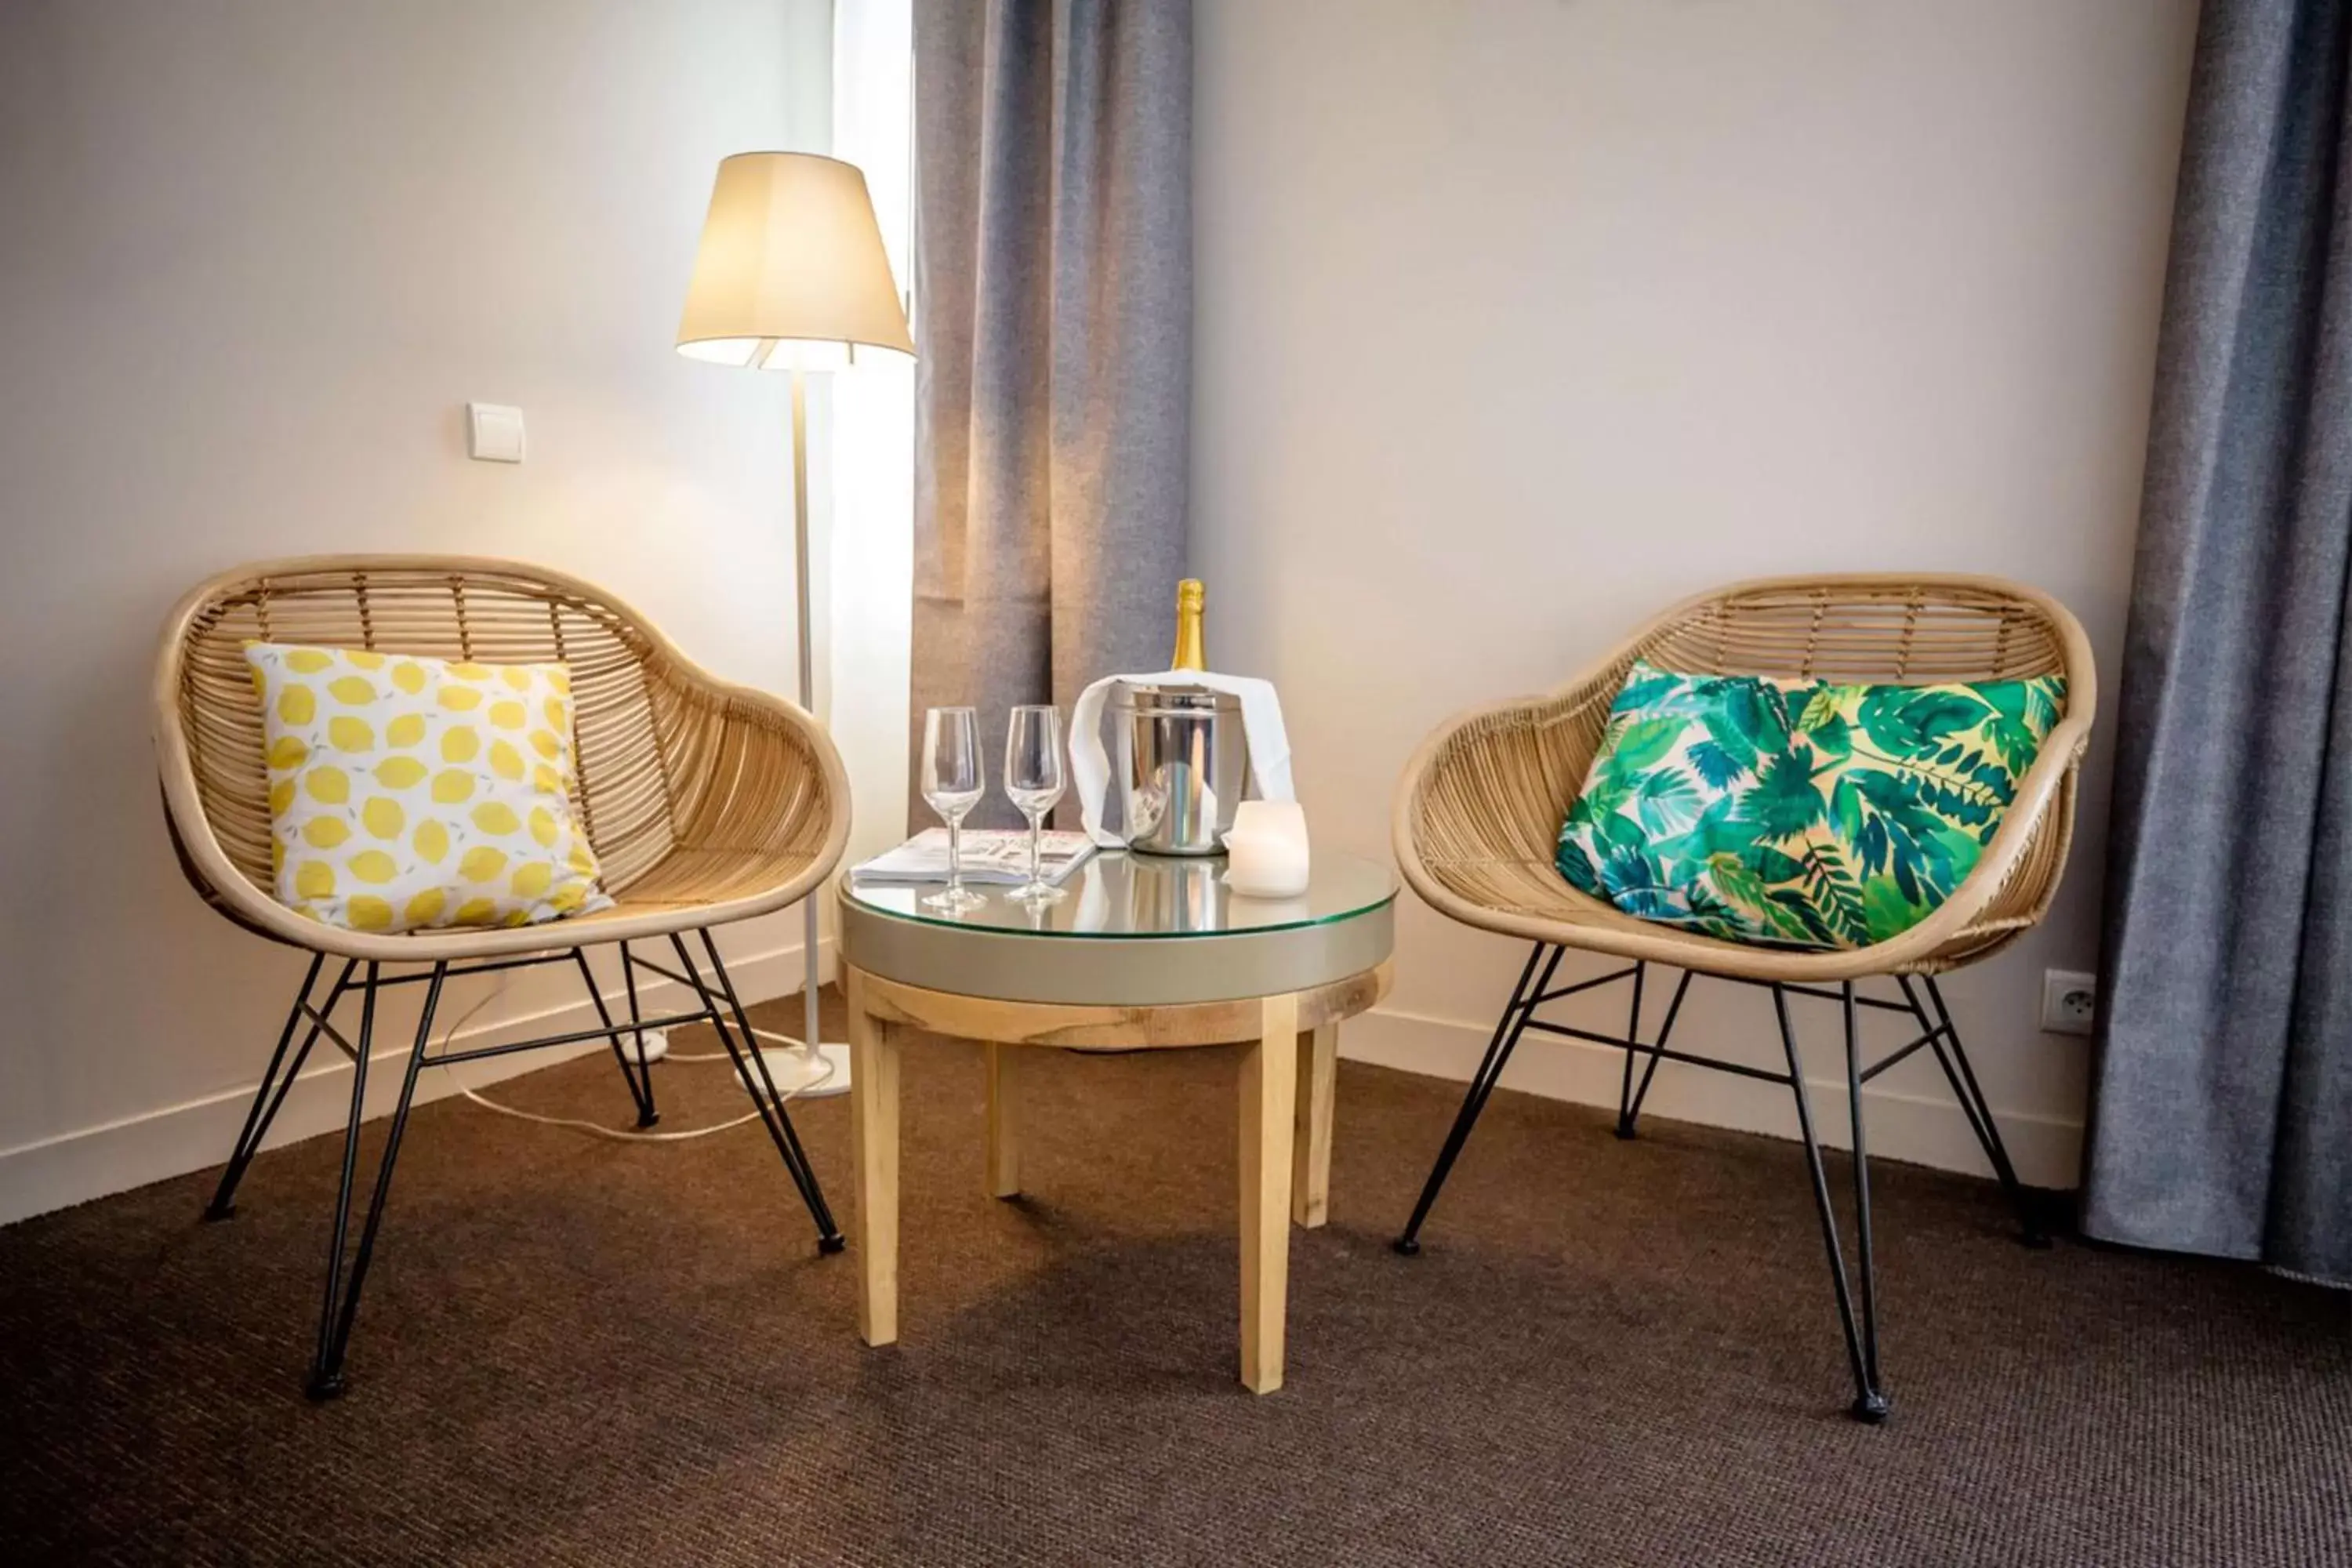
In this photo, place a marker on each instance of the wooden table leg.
(874, 1150)
(1269, 1085)
(1318, 1081)
(1004, 1121)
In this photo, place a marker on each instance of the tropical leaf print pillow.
(1798, 814)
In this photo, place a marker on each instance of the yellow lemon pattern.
(395, 809)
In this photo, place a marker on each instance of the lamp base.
(803, 1075)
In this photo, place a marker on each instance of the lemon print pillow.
(410, 793)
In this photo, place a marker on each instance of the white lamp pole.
(791, 275)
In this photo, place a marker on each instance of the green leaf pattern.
(1798, 814)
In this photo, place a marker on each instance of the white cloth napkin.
(1269, 745)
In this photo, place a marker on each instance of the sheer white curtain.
(871, 564)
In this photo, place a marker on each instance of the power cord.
(498, 988)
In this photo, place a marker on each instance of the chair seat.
(1479, 810)
(705, 802)
(685, 890)
(1520, 897)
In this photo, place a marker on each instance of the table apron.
(1122, 971)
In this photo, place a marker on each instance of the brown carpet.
(572, 1352)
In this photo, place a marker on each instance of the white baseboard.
(1919, 1128)
(115, 1156)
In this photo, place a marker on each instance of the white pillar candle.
(1265, 850)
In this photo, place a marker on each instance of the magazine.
(992, 857)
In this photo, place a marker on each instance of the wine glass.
(1035, 779)
(951, 785)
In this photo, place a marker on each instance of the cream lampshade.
(791, 269)
(792, 276)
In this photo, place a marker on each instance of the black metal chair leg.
(1499, 1045)
(637, 1019)
(1962, 1077)
(829, 1238)
(1864, 1390)
(1632, 1033)
(640, 1090)
(1871, 1404)
(1657, 1054)
(322, 1386)
(271, 1092)
(335, 1324)
(770, 1105)
(319, 1025)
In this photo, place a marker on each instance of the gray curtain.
(2222, 1113)
(1054, 281)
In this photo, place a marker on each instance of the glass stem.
(955, 854)
(1035, 818)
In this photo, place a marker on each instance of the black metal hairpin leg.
(636, 1017)
(274, 1085)
(766, 1098)
(1962, 1078)
(1628, 1115)
(1872, 1406)
(1869, 1403)
(641, 1078)
(342, 1306)
(1632, 1033)
(1508, 1030)
(322, 1387)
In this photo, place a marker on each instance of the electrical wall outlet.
(2070, 1001)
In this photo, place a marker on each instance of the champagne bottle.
(1190, 653)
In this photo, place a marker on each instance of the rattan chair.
(1478, 816)
(704, 802)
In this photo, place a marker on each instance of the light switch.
(493, 433)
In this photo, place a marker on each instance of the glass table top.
(1115, 894)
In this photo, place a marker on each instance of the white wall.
(256, 255)
(1520, 319)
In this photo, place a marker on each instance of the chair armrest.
(1497, 781)
(750, 773)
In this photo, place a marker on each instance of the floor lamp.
(791, 275)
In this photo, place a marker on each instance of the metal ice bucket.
(1183, 765)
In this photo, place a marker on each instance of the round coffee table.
(1144, 951)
